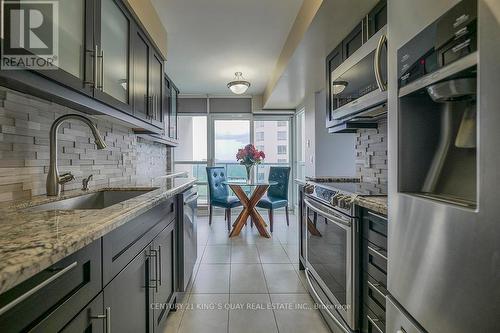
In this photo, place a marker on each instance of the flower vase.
(249, 171)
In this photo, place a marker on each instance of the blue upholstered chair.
(277, 195)
(219, 193)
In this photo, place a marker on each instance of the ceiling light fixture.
(239, 85)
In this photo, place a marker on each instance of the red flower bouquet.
(250, 156)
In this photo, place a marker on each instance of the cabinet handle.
(377, 215)
(377, 63)
(159, 263)
(100, 84)
(37, 288)
(107, 317)
(154, 254)
(378, 252)
(94, 70)
(376, 286)
(374, 322)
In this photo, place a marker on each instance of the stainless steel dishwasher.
(187, 236)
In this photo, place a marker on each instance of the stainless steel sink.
(96, 200)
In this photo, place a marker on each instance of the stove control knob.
(349, 201)
(309, 189)
(336, 199)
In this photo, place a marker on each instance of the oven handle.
(377, 64)
(321, 302)
(337, 219)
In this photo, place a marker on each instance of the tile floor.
(246, 284)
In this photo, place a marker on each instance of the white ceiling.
(209, 40)
(305, 72)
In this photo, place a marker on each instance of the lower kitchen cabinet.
(125, 281)
(128, 296)
(92, 319)
(164, 292)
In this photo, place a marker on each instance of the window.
(261, 176)
(281, 149)
(282, 135)
(282, 123)
(259, 124)
(282, 160)
(259, 136)
(260, 147)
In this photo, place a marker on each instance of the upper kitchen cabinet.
(172, 117)
(112, 35)
(353, 41)
(107, 64)
(147, 78)
(140, 72)
(156, 88)
(333, 61)
(377, 18)
(76, 46)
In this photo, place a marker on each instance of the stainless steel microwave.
(359, 87)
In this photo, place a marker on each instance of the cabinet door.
(128, 296)
(353, 41)
(140, 65)
(76, 46)
(173, 113)
(113, 35)
(88, 320)
(156, 90)
(333, 60)
(167, 107)
(377, 18)
(164, 244)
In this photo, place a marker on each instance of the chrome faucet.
(85, 183)
(54, 180)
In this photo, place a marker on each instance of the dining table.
(257, 191)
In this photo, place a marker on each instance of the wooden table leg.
(249, 210)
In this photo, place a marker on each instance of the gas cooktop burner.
(341, 196)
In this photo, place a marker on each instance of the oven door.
(331, 261)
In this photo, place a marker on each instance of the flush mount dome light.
(238, 86)
(338, 86)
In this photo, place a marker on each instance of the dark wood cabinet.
(165, 246)
(129, 294)
(172, 132)
(90, 320)
(377, 18)
(76, 47)
(353, 41)
(156, 89)
(107, 65)
(123, 243)
(113, 39)
(373, 278)
(333, 61)
(140, 79)
(55, 295)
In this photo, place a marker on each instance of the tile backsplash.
(24, 149)
(371, 154)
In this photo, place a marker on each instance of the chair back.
(280, 175)
(215, 177)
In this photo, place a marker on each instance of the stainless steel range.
(329, 243)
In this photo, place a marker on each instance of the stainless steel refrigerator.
(444, 166)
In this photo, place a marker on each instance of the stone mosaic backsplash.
(24, 149)
(371, 154)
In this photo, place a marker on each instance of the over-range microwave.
(358, 94)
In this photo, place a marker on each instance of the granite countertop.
(31, 241)
(377, 203)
